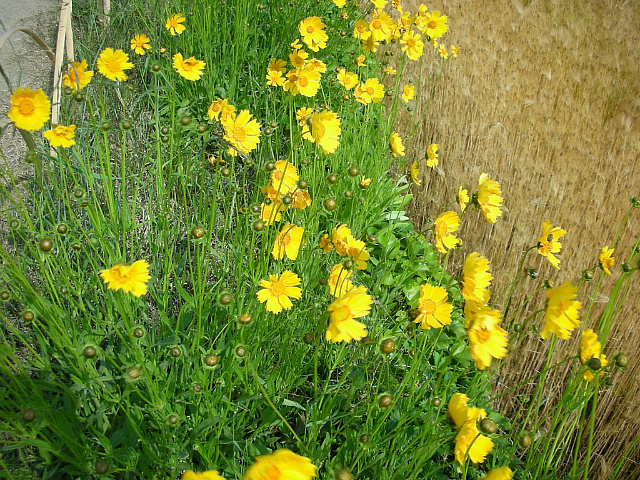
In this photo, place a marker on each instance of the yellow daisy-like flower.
(304, 81)
(432, 24)
(590, 348)
(381, 27)
(364, 182)
(369, 91)
(272, 212)
(174, 24)
(360, 60)
(29, 109)
(129, 278)
(370, 45)
(281, 465)
(500, 473)
(475, 277)
(432, 155)
(298, 58)
(317, 65)
(301, 199)
(275, 78)
(347, 79)
(284, 177)
(340, 236)
(288, 242)
(379, 4)
(361, 30)
(338, 280)
(77, 76)
(191, 69)
(434, 310)
(278, 290)
(325, 130)
(353, 304)
(606, 260)
(389, 70)
(220, 109)
(446, 224)
(395, 143)
(408, 93)
(61, 136)
(463, 198)
(415, 173)
(412, 45)
(277, 64)
(339, 3)
(487, 340)
(325, 243)
(548, 243)
(454, 52)
(112, 64)
(443, 51)
(302, 114)
(313, 34)
(489, 198)
(208, 475)
(561, 313)
(469, 443)
(140, 43)
(241, 132)
(356, 250)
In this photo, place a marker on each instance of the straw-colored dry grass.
(545, 98)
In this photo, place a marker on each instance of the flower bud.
(354, 171)
(488, 426)
(587, 275)
(101, 467)
(287, 200)
(332, 179)
(621, 360)
(89, 351)
(185, 120)
(626, 267)
(533, 273)
(28, 316)
(258, 225)
(548, 284)
(201, 129)
(28, 415)
(46, 244)
(343, 474)
(172, 419)
(307, 338)
(245, 319)
(211, 360)
(330, 204)
(198, 232)
(385, 400)
(524, 440)
(436, 402)
(175, 352)
(133, 372)
(225, 299)
(270, 167)
(388, 346)
(155, 67)
(62, 229)
(241, 351)
(138, 332)
(303, 184)
(594, 363)
(5, 295)
(364, 438)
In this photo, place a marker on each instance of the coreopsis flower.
(489, 198)
(313, 34)
(469, 443)
(288, 242)
(443, 51)
(475, 277)
(408, 93)
(561, 312)
(219, 109)
(302, 114)
(317, 65)
(590, 348)
(415, 173)
(360, 60)
(112, 64)
(29, 109)
(325, 130)
(353, 304)
(356, 250)
(379, 4)
(191, 69)
(340, 236)
(434, 310)
(370, 45)
(301, 199)
(487, 340)
(432, 24)
(396, 4)
(381, 27)
(281, 465)
(304, 81)
(325, 243)
(140, 43)
(278, 65)
(463, 198)
(338, 280)
(77, 76)
(500, 473)
(339, 3)
(174, 24)
(61, 135)
(432, 155)
(548, 242)
(389, 70)
(278, 290)
(361, 30)
(454, 52)
(364, 182)
(412, 45)
(369, 91)
(208, 475)
(347, 79)
(446, 224)
(298, 58)
(275, 78)
(606, 260)
(395, 143)
(272, 212)
(284, 177)
(129, 278)
(241, 132)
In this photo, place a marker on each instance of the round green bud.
(172, 419)
(488, 426)
(330, 204)
(364, 438)
(594, 363)
(354, 171)
(28, 415)
(62, 229)
(28, 316)
(436, 402)
(101, 467)
(303, 184)
(258, 225)
(175, 352)
(332, 179)
(343, 474)
(211, 360)
(621, 360)
(225, 298)
(46, 244)
(185, 120)
(241, 351)
(307, 338)
(105, 126)
(385, 400)
(138, 332)
(133, 372)
(198, 232)
(388, 346)
(89, 351)
(244, 319)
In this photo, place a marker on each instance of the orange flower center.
(370, 90)
(440, 229)
(285, 239)
(432, 24)
(277, 174)
(26, 107)
(189, 65)
(410, 42)
(277, 288)
(303, 81)
(310, 29)
(376, 24)
(319, 130)
(428, 307)
(239, 134)
(482, 335)
(113, 65)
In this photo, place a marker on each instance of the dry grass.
(545, 98)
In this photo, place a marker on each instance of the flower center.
(285, 239)
(303, 81)
(370, 90)
(239, 134)
(318, 130)
(114, 65)
(188, 65)
(376, 24)
(310, 29)
(482, 335)
(432, 24)
(410, 42)
(428, 307)
(440, 229)
(26, 107)
(277, 288)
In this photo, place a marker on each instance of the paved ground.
(24, 63)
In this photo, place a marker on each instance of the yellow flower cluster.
(469, 442)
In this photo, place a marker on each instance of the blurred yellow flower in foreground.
(208, 475)
(61, 135)
(277, 291)
(281, 465)
(561, 312)
(325, 130)
(29, 109)
(288, 242)
(487, 340)
(500, 473)
(130, 278)
(590, 348)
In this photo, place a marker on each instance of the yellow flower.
(61, 136)
(353, 304)
(434, 310)
(356, 250)
(590, 348)
(325, 130)
(361, 30)
(548, 243)
(191, 69)
(475, 278)
(370, 45)
(489, 198)
(415, 173)
(272, 212)
(340, 235)
(432, 24)
(561, 313)
(277, 290)
(381, 27)
(369, 91)
(29, 109)
(77, 77)
(412, 45)
(305, 81)
(339, 3)
(364, 182)
(302, 114)
(389, 70)
(140, 43)
(379, 4)
(301, 199)
(463, 198)
(275, 78)
(443, 51)
(408, 92)
(220, 109)
(208, 475)
(313, 34)
(360, 60)
(317, 65)
(284, 177)
(347, 79)
(174, 24)
(281, 465)
(454, 52)
(298, 58)
(500, 473)
(277, 64)
(338, 280)
(397, 148)
(445, 224)
(241, 132)
(130, 278)
(469, 443)
(325, 243)
(288, 242)
(112, 64)
(432, 155)
(606, 260)
(487, 340)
